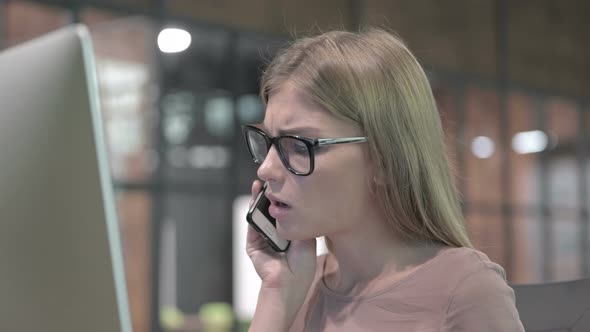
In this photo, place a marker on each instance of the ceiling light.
(172, 40)
(483, 147)
(530, 142)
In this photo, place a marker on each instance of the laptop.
(61, 266)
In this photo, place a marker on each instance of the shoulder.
(467, 261)
(451, 266)
(480, 298)
(473, 277)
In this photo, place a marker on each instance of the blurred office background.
(512, 80)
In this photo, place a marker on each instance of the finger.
(254, 241)
(253, 235)
(256, 187)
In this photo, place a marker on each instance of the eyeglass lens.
(294, 151)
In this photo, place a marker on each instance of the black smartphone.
(264, 223)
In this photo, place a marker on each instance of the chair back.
(554, 307)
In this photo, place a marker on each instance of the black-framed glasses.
(296, 152)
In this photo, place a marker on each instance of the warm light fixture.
(483, 147)
(530, 141)
(173, 40)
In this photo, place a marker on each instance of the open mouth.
(281, 204)
(276, 203)
(278, 209)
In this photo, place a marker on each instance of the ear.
(377, 167)
(372, 186)
(375, 178)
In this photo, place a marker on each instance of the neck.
(360, 257)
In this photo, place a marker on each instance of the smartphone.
(264, 223)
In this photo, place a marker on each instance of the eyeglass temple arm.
(329, 141)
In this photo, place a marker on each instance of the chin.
(281, 232)
(290, 234)
(296, 235)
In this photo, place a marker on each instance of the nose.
(271, 169)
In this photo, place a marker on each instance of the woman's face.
(335, 197)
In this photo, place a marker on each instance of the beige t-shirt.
(458, 290)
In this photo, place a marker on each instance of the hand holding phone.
(285, 277)
(264, 223)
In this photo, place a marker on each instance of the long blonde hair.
(372, 78)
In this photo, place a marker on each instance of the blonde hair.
(372, 78)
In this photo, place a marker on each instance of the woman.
(399, 257)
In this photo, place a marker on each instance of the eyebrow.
(300, 131)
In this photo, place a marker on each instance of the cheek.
(336, 195)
